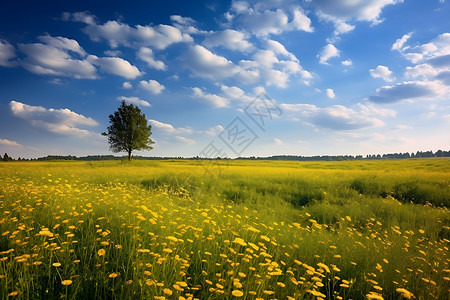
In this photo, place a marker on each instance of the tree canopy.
(129, 130)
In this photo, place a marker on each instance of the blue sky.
(334, 77)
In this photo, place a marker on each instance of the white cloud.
(185, 24)
(83, 17)
(230, 39)
(277, 141)
(61, 121)
(360, 10)
(424, 71)
(113, 53)
(146, 54)
(340, 13)
(9, 143)
(7, 53)
(382, 72)
(204, 63)
(278, 48)
(184, 140)
(347, 62)
(127, 85)
(399, 43)
(50, 60)
(116, 66)
(168, 128)
(335, 117)
(410, 90)
(117, 33)
(62, 43)
(263, 21)
(214, 100)
(153, 86)
(330, 93)
(236, 94)
(134, 100)
(437, 47)
(329, 51)
(232, 92)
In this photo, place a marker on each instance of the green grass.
(216, 230)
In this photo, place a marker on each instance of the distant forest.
(418, 154)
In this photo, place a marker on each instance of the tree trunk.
(129, 155)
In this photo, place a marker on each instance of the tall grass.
(268, 230)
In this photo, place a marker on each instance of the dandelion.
(268, 292)
(101, 252)
(405, 293)
(57, 264)
(182, 283)
(113, 275)
(374, 296)
(66, 282)
(12, 294)
(240, 242)
(237, 293)
(168, 292)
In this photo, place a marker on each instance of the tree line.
(418, 154)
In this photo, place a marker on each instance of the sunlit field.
(225, 230)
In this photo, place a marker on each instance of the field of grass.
(225, 230)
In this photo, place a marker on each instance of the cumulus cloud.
(7, 53)
(278, 48)
(152, 86)
(382, 72)
(185, 24)
(204, 63)
(61, 121)
(410, 90)
(347, 62)
(169, 128)
(62, 43)
(328, 52)
(264, 20)
(423, 71)
(47, 60)
(230, 39)
(83, 17)
(330, 93)
(212, 99)
(437, 47)
(335, 117)
(184, 140)
(127, 85)
(399, 43)
(146, 54)
(117, 33)
(341, 13)
(115, 65)
(9, 143)
(134, 100)
(360, 10)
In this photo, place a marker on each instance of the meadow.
(180, 229)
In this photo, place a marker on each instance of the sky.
(227, 78)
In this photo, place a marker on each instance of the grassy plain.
(225, 230)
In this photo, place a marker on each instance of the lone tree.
(129, 130)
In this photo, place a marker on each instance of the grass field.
(225, 230)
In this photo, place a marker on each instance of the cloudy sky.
(305, 77)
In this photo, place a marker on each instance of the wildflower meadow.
(183, 229)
